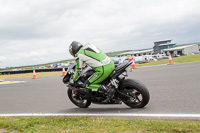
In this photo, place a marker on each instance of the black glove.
(71, 82)
(66, 79)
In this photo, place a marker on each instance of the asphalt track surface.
(174, 89)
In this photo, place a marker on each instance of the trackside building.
(182, 50)
(159, 46)
(137, 53)
(165, 47)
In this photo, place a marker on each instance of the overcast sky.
(40, 31)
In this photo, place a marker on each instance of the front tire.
(77, 99)
(137, 90)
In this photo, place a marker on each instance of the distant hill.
(110, 54)
(178, 45)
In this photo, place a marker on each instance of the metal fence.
(30, 71)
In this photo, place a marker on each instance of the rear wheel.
(77, 99)
(137, 90)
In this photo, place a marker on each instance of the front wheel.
(137, 90)
(77, 99)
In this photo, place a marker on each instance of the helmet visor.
(71, 51)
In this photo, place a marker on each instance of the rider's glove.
(71, 82)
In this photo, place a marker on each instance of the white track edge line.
(128, 115)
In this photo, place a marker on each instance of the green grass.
(95, 124)
(182, 59)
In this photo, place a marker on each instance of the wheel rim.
(78, 99)
(134, 93)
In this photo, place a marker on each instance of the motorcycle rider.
(96, 59)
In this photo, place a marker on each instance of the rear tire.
(137, 90)
(78, 101)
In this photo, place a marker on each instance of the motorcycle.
(131, 92)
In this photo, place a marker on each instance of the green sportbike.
(131, 92)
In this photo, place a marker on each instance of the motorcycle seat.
(119, 68)
(122, 66)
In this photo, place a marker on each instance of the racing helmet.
(74, 47)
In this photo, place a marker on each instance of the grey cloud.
(44, 29)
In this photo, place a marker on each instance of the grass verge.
(182, 59)
(95, 124)
(24, 75)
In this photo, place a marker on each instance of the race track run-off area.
(174, 93)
